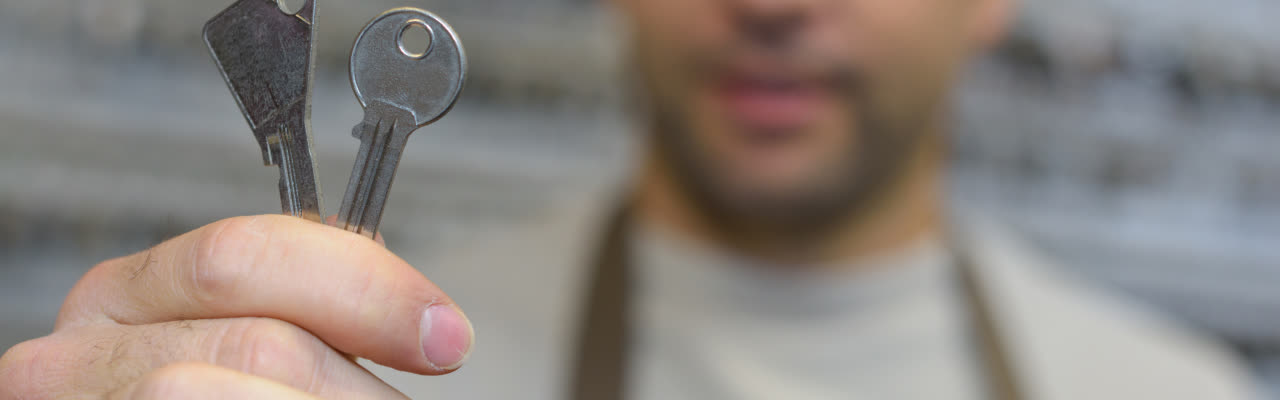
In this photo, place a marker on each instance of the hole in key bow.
(291, 7)
(415, 38)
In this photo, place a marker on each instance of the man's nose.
(772, 21)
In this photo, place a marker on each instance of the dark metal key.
(267, 56)
(401, 90)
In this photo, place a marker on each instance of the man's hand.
(248, 307)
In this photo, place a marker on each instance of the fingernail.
(446, 336)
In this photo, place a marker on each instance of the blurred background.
(1137, 141)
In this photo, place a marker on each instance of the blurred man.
(783, 238)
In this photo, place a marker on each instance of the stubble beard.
(848, 189)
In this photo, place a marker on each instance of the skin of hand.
(248, 307)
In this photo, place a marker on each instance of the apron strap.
(1002, 382)
(604, 334)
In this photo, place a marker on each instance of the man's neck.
(907, 210)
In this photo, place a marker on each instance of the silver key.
(267, 57)
(400, 91)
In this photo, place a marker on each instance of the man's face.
(791, 112)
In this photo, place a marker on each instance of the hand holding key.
(401, 91)
(271, 306)
(251, 307)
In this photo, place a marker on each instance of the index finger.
(346, 289)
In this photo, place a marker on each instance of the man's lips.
(771, 103)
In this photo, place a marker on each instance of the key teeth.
(264, 143)
(358, 131)
(267, 156)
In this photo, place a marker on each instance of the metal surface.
(401, 91)
(267, 58)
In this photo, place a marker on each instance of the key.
(400, 91)
(266, 57)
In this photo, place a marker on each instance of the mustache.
(841, 74)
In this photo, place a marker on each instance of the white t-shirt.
(712, 325)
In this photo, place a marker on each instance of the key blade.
(299, 192)
(265, 56)
(383, 135)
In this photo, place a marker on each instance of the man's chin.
(782, 206)
(778, 173)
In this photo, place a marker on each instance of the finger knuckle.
(224, 254)
(20, 368)
(81, 300)
(273, 349)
